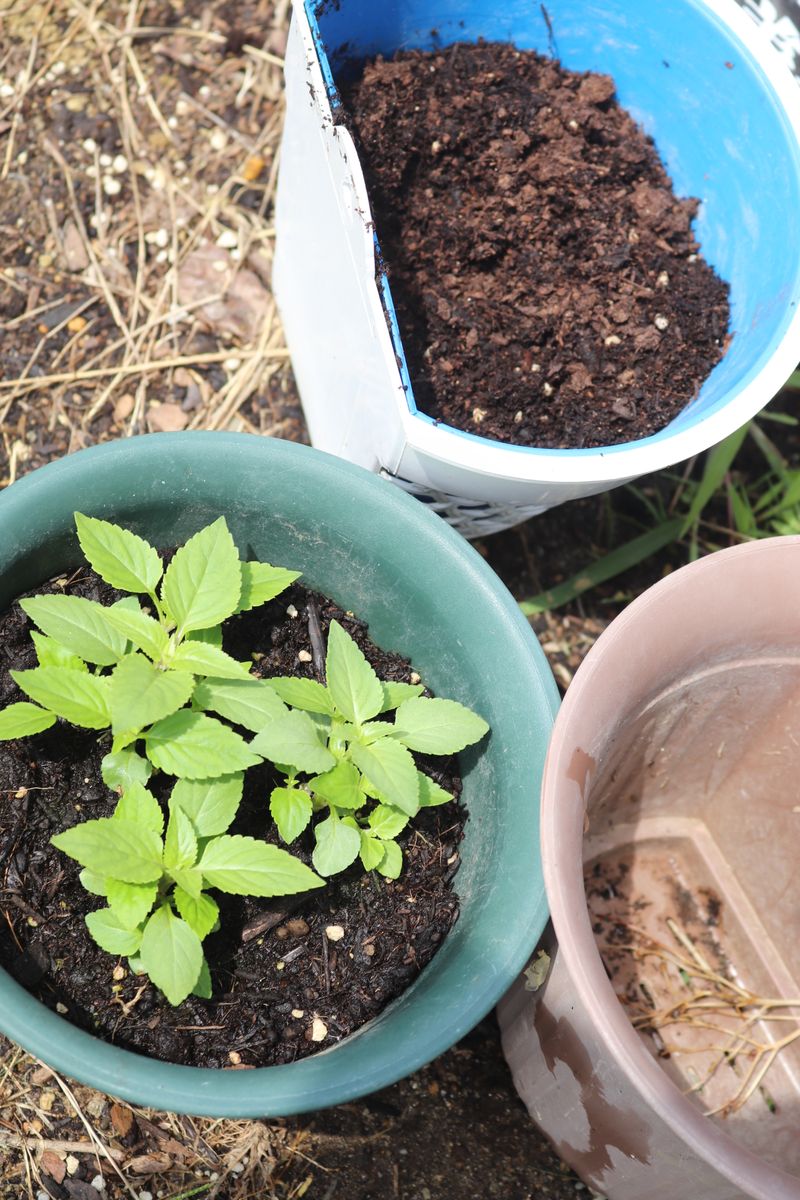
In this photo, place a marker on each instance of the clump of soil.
(547, 283)
(275, 970)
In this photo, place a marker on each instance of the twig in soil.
(100, 1146)
(54, 1144)
(326, 964)
(317, 644)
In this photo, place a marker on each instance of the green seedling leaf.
(390, 768)
(94, 883)
(247, 867)
(180, 844)
(132, 851)
(130, 902)
(392, 863)
(251, 703)
(123, 559)
(139, 805)
(141, 694)
(372, 851)
(430, 793)
(437, 726)
(291, 811)
(171, 954)
(209, 637)
(194, 746)
(353, 685)
(262, 582)
(188, 878)
(142, 631)
(294, 739)
(110, 934)
(203, 582)
(395, 693)
(123, 769)
(306, 694)
(372, 731)
(75, 695)
(339, 787)
(80, 625)
(22, 719)
(210, 804)
(203, 659)
(337, 846)
(203, 986)
(200, 913)
(386, 821)
(51, 654)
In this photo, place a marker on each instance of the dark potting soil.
(548, 286)
(274, 969)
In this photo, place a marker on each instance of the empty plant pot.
(725, 119)
(670, 843)
(424, 593)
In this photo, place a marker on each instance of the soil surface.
(547, 282)
(275, 970)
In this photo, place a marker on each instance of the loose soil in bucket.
(280, 968)
(548, 286)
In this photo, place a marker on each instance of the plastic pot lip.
(562, 864)
(602, 466)
(308, 1084)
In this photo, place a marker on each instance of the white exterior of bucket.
(352, 381)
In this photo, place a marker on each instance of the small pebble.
(478, 415)
(304, 656)
(72, 1164)
(145, 1196)
(535, 368)
(663, 280)
(298, 1013)
(118, 973)
(98, 1183)
(661, 322)
(518, 417)
(547, 388)
(111, 186)
(232, 364)
(291, 611)
(105, 160)
(227, 239)
(119, 164)
(612, 340)
(279, 966)
(297, 927)
(334, 933)
(235, 1057)
(89, 145)
(414, 677)
(61, 1008)
(369, 950)
(573, 126)
(218, 139)
(319, 1030)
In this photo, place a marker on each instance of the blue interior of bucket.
(692, 85)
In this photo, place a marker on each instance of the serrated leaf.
(209, 637)
(140, 694)
(392, 862)
(395, 693)
(386, 821)
(203, 986)
(133, 851)
(188, 878)
(372, 851)
(123, 769)
(142, 630)
(437, 726)
(353, 685)
(140, 806)
(306, 694)
(247, 867)
(294, 739)
(171, 954)
(75, 695)
(390, 768)
(80, 625)
(194, 746)
(291, 811)
(203, 659)
(94, 883)
(203, 582)
(430, 793)
(23, 719)
(122, 558)
(373, 731)
(340, 786)
(251, 703)
(110, 934)
(210, 804)
(262, 582)
(51, 653)
(130, 902)
(338, 845)
(180, 844)
(200, 913)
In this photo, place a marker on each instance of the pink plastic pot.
(671, 786)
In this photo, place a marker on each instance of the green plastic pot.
(426, 594)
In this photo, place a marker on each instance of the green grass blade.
(718, 462)
(619, 560)
(793, 381)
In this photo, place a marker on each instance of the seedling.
(155, 884)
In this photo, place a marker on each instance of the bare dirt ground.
(138, 159)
